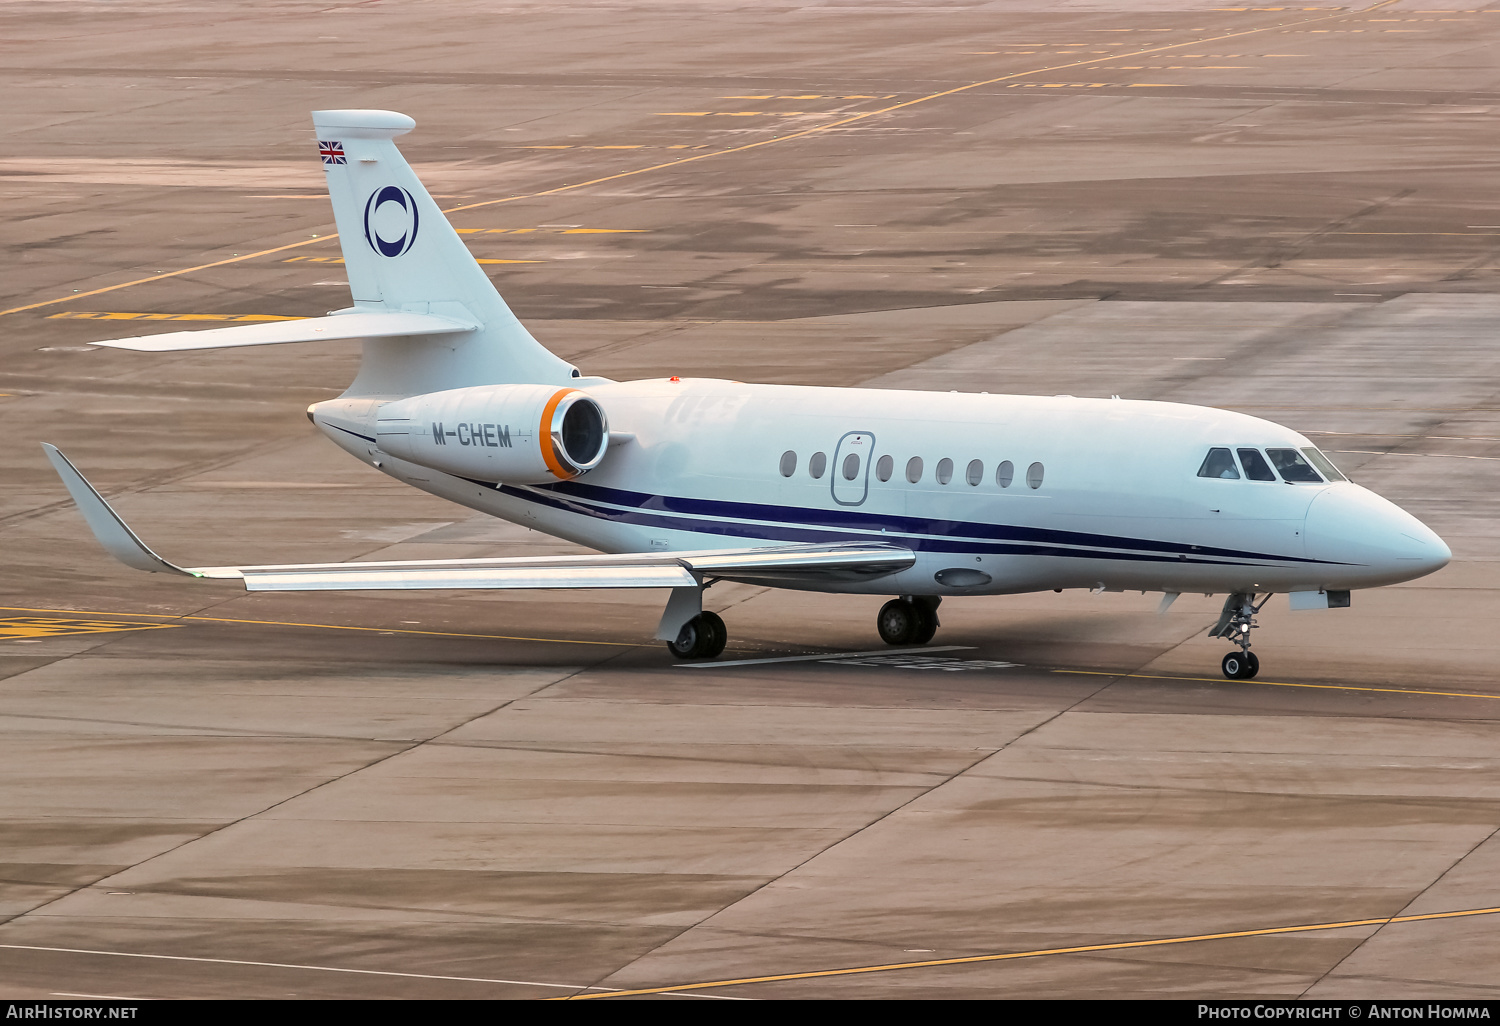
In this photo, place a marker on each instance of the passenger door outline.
(851, 493)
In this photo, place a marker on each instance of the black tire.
(1236, 666)
(702, 637)
(898, 622)
(717, 635)
(927, 623)
(690, 640)
(1252, 666)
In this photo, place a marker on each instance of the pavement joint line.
(1038, 952)
(293, 965)
(335, 627)
(1434, 882)
(829, 657)
(1286, 684)
(281, 803)
(887, 814)
(816, 129)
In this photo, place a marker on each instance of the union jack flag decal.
(332, 152)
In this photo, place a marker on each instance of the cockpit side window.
(1256, 467)
(1218, 463)
(1292, 467)
(1323, 463)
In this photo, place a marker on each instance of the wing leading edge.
(781, 564)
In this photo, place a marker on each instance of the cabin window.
(883, 468)
(975, 472)
(1323, 463)
(1218, 463)
(851, 466)
(1256, 467)
(944, 470)
(1034, 475)
(817, 465)
(1292, 467)
(1005, 473)
(788, 463)
(914, 469)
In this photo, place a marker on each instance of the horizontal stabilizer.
(782, 564)
(365, 324)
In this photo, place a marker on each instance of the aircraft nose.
(1379, 542)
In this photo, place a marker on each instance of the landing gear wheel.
(702, 637)
(720, 634)
(899, 622)
(1240, 665)
(906, 621)
(927, 615)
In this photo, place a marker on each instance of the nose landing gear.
(908, 620)
(1236, 621)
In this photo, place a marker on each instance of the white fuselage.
(698, 464)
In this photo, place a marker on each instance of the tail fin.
(401, 254)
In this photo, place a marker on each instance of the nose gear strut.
(1236, 621)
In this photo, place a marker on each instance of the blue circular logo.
(391, 221)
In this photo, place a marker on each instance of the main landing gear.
(702, 637)
(1236, 621)
(908, 620)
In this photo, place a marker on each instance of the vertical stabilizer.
(402, 254)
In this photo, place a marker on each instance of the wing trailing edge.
(778, 564)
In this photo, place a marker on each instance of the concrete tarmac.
(204, 793)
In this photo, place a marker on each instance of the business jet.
(680, 483)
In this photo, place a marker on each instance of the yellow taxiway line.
(166, 274)
(118, 315)
(817, 129)
(1037, 953)
(331, 627)
(704, 156)
(1286, 684)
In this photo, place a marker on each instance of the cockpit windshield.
(1323, 463)
(1292, 467)
(1218, 463)
(1256, 467)
(1304, 467)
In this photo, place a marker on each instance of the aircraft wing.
(778, 564)
(374, 324)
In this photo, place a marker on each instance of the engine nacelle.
(519, 434)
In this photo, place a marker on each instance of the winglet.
(105, 522)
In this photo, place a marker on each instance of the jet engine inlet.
(580, 433)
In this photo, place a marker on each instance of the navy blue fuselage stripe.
(882, 523)
(356, 434)
(786, 523)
